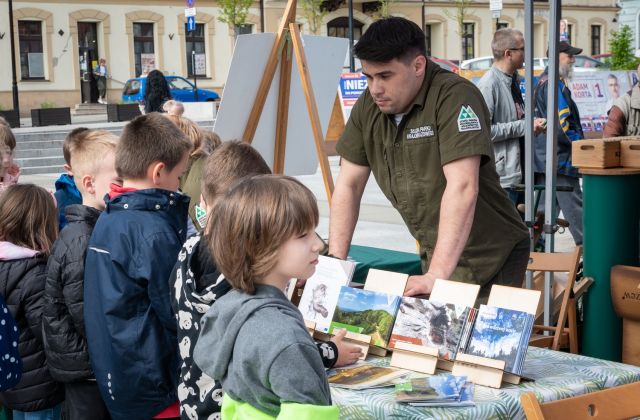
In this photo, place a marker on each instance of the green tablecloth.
(382, 259)
(557, 375)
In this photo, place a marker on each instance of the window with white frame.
(31, 50)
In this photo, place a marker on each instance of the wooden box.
(630, 153)
(603, 153)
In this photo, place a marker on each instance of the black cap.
(565, 47)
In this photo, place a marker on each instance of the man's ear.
(87, 184)
(420, 65)
(156, 172)
(67, 169)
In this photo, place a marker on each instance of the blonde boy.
(131, 330)
(67, 192)
(93, 160)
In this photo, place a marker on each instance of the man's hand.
(539, 125)
(348, 354)
(419, 285)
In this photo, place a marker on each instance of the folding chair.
(563, 334)
(609, 404)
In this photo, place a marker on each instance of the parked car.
(181, 89)
(445, 64)
(583, 63)
(480, 63)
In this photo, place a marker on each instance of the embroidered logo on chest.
(468, 120)
(420, 132)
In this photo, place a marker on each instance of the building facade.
(59, 43)
(630, 16)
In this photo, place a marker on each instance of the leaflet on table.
(365, 376)
(321, 291)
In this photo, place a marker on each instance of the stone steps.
(40, 151)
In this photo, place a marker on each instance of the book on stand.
(431, 324)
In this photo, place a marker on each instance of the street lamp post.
(14, 86)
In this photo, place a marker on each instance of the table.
(611, 218)
(382, 259)
(557, 375)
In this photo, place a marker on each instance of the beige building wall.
(115, 39)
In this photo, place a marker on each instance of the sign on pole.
(495, 6)
(190, 11)
(191, 23)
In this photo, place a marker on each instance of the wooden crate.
(630, 153)
(603, 153)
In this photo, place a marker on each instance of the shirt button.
(126, 206)
(396, 144)
(171, 202)
(157, 206)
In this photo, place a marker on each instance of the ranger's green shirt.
(448, 120)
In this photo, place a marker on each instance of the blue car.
(181, 89)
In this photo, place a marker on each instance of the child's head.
(210, 141)
(228, 164)
(191, 130)
(172, 107)
(3, 121)
(70, 142)
(152, 153)
(263, 232)
(7, 146)
(28, 217)
(94, 168)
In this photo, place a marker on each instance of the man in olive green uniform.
(424, 133)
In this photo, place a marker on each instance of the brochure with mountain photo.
(366, 312)
(501, 334)
(365, 376)
(432, 324)
(321, 291)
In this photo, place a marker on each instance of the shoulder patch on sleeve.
(468, 120)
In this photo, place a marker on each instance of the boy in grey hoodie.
(253, 339)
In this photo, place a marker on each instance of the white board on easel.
(325, 56)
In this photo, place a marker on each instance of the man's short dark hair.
(147, 139)
(390, 38)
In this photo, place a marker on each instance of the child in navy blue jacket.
(66, 191)
(130, 327)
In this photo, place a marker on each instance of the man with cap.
(424, 134)
(569, 130)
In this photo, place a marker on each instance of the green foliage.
(621, 47)
(313, 11)
(47, 105)
(234, 12)
(460, 14)
(384, 10)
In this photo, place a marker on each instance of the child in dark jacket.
(93, 163)
(198, 283)
(66, 191)
(130, 326)
(28, 228)
(253, 339)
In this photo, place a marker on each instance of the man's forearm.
(457, 210)
(345, 207)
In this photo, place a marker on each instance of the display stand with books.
(427, 333)
(390, 283)
(510, 312)
(363, 341)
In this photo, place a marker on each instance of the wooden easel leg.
(283, 111)
(269, 72)
(313, 109)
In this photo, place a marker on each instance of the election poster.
(594, 94)
(351, 87)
